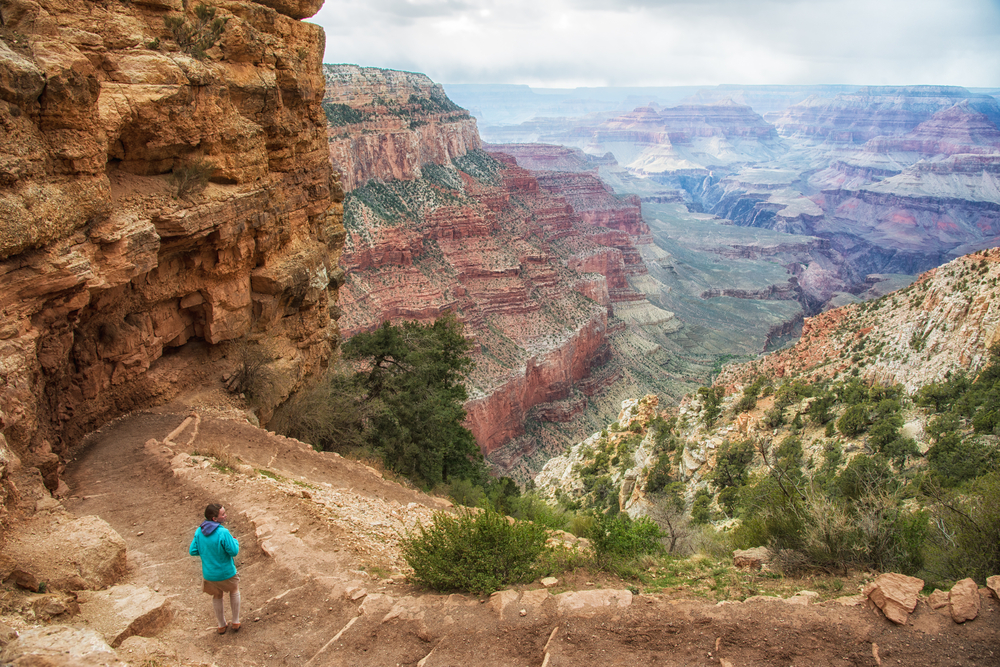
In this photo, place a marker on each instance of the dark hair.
(212, 511)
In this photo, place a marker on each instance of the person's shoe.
(236, 627)
(223, 629)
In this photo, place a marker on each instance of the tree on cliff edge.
(415, 374)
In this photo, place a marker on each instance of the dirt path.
(308, 523)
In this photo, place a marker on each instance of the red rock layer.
(404, 126)
(595, 202)
(530, 278)
(105, 265)
(682, 124)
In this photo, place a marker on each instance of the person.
(217, 547)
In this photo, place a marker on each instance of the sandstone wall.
(402, 121)
(106, 265)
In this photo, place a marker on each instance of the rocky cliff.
(536, 265)
(944, 322)
(876, 111)
(387, 124)
(480, 237)
(165, 190)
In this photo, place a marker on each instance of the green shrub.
(530, 506)
(774, 417)
(198, 37)
(954, 459)
(711, 398)
(477, 552)
(701, 509)
(617, 536)
(854, 421)
(968, 530)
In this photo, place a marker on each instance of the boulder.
(60, 646)
(964, 599)
(751, 559)
(589, 603)
(993, 583)
(895, 594)
(123, 611)
(938, 599)
(59, 552)
(804, 598)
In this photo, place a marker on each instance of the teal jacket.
(216, 549)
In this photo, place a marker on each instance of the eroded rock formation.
(387, 124)
(165, 189)
(534, 264)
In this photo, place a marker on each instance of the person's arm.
(229, 543)
(193, 549)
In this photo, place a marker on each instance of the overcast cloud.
(568, 43)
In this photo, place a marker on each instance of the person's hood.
(208, 527)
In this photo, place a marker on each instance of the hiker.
(217, 546)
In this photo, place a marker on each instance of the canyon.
(535, 266)
(186, 191)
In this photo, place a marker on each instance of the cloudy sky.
(568, 43)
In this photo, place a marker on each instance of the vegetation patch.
(474, 551)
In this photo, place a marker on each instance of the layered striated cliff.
(165, 189)
(536, 265)
(482, 239)
(386, 124)
(876, 111)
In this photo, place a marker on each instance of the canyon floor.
(321, 583)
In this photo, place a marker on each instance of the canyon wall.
(386, 124)
(533, 264)
(165, 191)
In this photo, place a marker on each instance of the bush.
(192, 178)
(854, 421)
(531, 507)
(477, 552)
(618, 537)
(968, 530)
(331, 415)
(254, 377)
(198, 37)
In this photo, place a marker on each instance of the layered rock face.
(387, 124)
(688, 138)
(482, 239)
(533, 264)
(165, 188)
(855, 118)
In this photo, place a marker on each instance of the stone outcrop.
(751, 559)
(876, 111)
(63, 552)
(686, 139)
(895, 594)
(160, 194)
(124, 611)
(60, 646)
